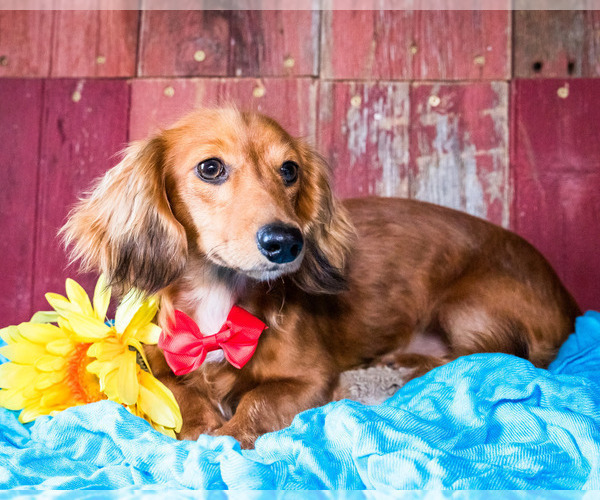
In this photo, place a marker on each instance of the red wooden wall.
(492, 112)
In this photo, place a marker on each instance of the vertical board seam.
(36, 222)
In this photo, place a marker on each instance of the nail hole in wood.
(571, 67)
(537, 66)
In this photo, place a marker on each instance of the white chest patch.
(209, 307)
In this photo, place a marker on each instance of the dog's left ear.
(125, 227)
(327, 227)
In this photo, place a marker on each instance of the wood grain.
(363, 132)
(94, 43)
(84, 127)
(556, 163)
(62, 43)
(419, 45)
(557, 43)
(274, 43)
(21, 111)
(229, 43)
(157, 103)
(459, 147)
(25, 38)
(173, 42)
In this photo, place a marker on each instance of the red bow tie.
(185, 347)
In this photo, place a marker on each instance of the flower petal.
(60, 347)
(166, 432)
(61, 304)
(102, 294)
(44, 317)
(13, 399)
(23, 352)
(47, 380)
(88, 328)
(143, 316)
(127, 381)
(30, 413)
(149, 334)
(14, 375)
(10, 334)
(106, 350)
(40, 333)
(57, 396)
(109, 384)
(50, 363)
(162, 393)
(78, 297)
(127, 309)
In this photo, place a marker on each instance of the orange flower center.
(83, 384)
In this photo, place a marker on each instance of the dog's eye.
(289, 172)
(211, 170)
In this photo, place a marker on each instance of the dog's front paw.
(245, 437)
(206, 423)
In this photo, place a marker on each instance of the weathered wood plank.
(233, 43)
(184, 43)
(84, 126)
(94, 43)
(419, 45)
(20, 114)
(557, 43)
(556, 163)
(157, 103)
(24, 41)
(459, 147)
(363, 132)
(274, 43)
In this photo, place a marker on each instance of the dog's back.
(421, 270)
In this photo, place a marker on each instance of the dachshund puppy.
(225, 209)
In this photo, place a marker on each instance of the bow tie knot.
(185, 348)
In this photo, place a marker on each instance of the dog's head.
(229, 187)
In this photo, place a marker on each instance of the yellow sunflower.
(84, 359)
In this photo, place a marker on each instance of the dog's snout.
(280, 243)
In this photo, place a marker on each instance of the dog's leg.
(197, 411)
(418, 364)
(272, 406)
(484, 313)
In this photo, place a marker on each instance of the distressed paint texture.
(459, 147)
(84, 126)
(100, 43)
(158, 103)
(229, 43)
(408, 45)
(363, 132)
(20, 113)
(24, 40)
(556, 162)
(557, 43)
(401, 103)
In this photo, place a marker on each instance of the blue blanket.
(483, 421)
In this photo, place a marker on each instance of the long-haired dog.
(226, 208)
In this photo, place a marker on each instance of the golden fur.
(377, 281)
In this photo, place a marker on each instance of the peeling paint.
(448, 176)
(376, 136)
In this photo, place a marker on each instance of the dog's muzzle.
(280, 243)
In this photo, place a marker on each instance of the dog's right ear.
(125, 227)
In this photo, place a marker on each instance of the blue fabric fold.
(486, 421)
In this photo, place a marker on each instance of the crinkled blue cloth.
(483, 421)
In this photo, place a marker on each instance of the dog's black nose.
(279, 243)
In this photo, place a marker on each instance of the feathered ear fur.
(329, 230)
(125, 226)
